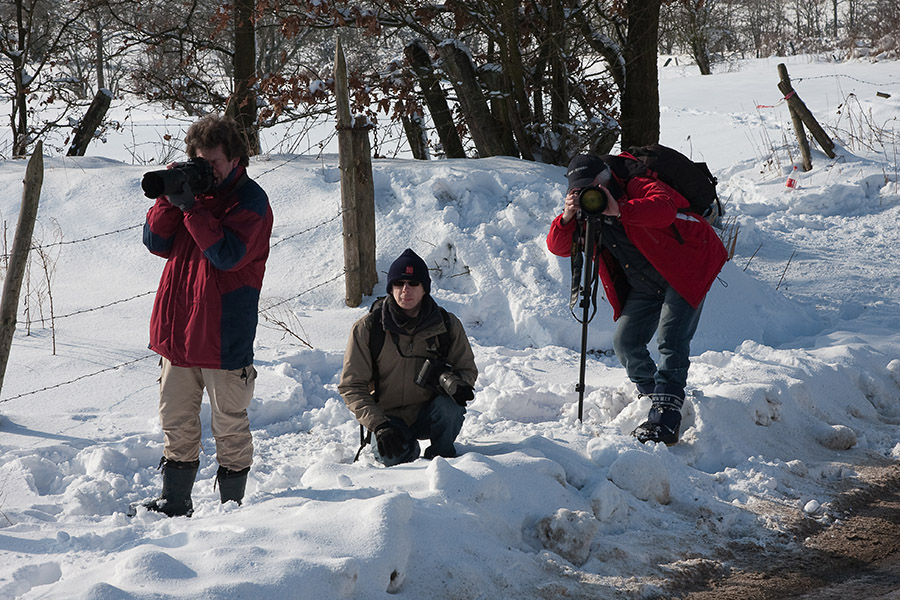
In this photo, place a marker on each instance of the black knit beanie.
(409, 267)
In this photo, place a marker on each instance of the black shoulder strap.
(444, 339)
(376, 340)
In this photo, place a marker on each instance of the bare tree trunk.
(12, 285)
(92, 119)
(559, 88)
(520, 116)
(242, 105)
(485, 131)
(503, 109)
(701, 55)
(99, 63)
(415, 135)
(435, 100)
(19, 119)
(640, 97)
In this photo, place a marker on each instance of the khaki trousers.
(230, 393)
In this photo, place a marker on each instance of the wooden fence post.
(797, 106)
(799, 131)
(357, 191)
(91, 120)
(12, 285)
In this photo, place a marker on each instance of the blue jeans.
(439, 421)
(674, 321)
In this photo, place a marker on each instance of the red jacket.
(206, 307)
(649, 210)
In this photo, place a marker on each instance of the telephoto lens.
(592, 200)
(197, 173)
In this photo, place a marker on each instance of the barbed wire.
(295, 296)
(96, 308)
(307, 230)
(78, 241)
(115, 302)
(112, 368)
(278, 166)
(59, 385)
(834, 75)
(87, 310)
(93, 237)
(124, 229)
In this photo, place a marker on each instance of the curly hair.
(214, 130)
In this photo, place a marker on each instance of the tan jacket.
(399, 396)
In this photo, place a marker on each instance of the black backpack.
(693, 180)
(376, 343)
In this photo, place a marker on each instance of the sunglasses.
(402, 282)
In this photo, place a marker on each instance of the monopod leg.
(588, 276)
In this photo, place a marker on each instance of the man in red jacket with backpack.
(204, 319)
(657, 262)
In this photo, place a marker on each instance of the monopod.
(587, 282)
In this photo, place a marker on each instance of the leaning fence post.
(12, 285)
(799, 131)
(797, 106)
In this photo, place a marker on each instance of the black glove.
(183, 199)
(390, 443)
(464, 393)
(454, 386)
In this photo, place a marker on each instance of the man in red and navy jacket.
(657, 262)
(205, 312)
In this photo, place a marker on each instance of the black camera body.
(430, 373)
(436, 375)
(593, 200)
(196, 173)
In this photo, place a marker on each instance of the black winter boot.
(664, 421)
(178, 481)
(231, 484)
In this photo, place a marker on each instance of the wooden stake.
(357, 191)
(12, 285)
(797, 106)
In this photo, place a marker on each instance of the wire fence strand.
(115, 302)
(79, 378)
(114, 367)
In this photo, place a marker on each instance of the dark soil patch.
(856, 557)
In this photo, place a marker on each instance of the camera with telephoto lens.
(196, 173)
(436, 375)
(593, 200)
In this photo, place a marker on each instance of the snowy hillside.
(794, 387)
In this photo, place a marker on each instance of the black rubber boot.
(231, 484)
(178, 481)
(663, 424)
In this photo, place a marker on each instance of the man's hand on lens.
(464, 394)
(183, 199)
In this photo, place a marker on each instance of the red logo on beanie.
(409, 270)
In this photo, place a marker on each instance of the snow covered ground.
(794, 388)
